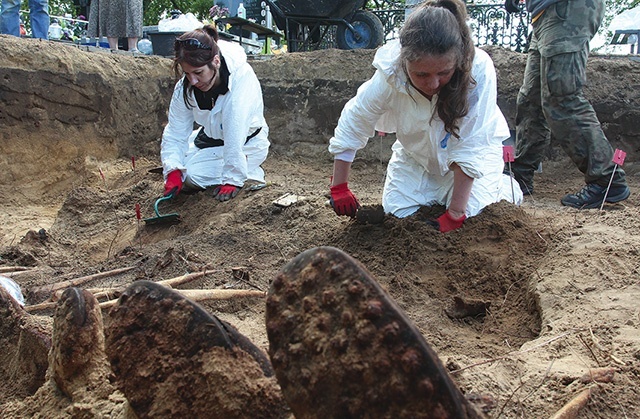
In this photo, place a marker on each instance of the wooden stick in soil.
(179, 280)
(14, 274)
(77, 281)
(34, 308)
(5, 269)
(195, 295)
(114, 292)
(205, 295)
(99, 293)
(107, 292)
(572, 409)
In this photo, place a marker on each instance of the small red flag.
(138, 214)
(618, 157)
(101, 175)
(507, 153)
(133, 162)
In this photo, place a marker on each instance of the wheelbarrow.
(306, 23)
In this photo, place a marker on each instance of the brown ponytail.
(439, 27)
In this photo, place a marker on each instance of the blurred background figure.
(38, 13)
(116, 19)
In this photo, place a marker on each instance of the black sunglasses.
(190, 44)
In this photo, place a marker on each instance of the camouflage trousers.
(551, 101)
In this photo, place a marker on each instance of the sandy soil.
(561, 286)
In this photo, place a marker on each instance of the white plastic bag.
(184, 23)
(13, 289)
(627, 20)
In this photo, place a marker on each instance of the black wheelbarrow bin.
(319, 9)
(303, 23)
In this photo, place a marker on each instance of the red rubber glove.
(225, 192)
(446, 222)
(173, 184)
(343, 201)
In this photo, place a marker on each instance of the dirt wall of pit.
(61, 106)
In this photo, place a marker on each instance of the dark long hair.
(438, 27)
(197, 57)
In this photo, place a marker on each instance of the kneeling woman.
(438, 94)
(219, 92)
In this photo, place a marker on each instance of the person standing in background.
(116, 19)
(551, 101)
(38, 13)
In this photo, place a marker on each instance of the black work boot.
(591, 196)
(342, 348)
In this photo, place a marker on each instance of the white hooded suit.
(235, 116)
(418, 173)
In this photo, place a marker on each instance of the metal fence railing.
(490, 25)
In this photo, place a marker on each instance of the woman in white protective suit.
(438, 93)
(219, 92)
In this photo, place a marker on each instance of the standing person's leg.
(113, 42)
(532, 131)
(39, 15)
(564, 34)
(10, 17)
(133, 24)
(132, 44)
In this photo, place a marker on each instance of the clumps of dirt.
(484, 261)
(172, 358)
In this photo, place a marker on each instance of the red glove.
(225, 192)
(446, 222)
(343, 201)
(173, 184)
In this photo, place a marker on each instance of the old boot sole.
(341, 348)
(77, 360)
(171, 358)
(25, 341)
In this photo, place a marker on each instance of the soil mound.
(519, 304)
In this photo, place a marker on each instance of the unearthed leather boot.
(77, 360)
(171, 358)
(341, 347)
(24, 346)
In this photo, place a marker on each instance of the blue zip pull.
(443, 143)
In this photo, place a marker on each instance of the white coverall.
(418, 173)
(235, 116)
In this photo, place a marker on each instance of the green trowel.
(172, 218)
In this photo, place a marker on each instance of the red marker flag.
(138, 214)
(507, 154)
(618, 157)
(101, 175)
(133, 162)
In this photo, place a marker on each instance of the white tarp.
(627, 20)
(183, 23)
(13, 289)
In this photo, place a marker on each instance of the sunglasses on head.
(190, 44)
